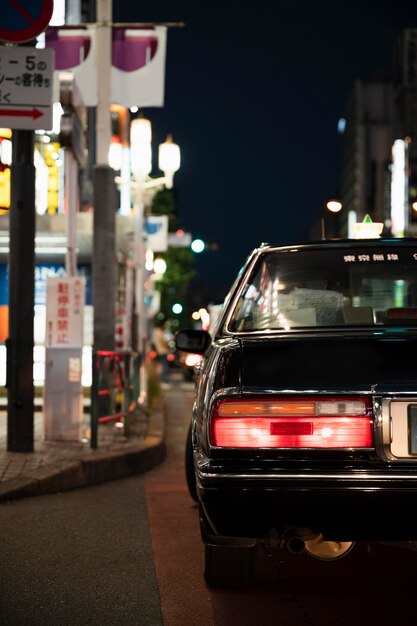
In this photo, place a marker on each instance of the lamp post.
(333, 206)
(141, 167)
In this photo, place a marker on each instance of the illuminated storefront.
(42, 272)
(5, 163)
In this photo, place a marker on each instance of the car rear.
(338, 460)
(318, 427)
(304, 429)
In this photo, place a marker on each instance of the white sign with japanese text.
(26, 80)
(65, 298)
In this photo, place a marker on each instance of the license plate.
(412, 428)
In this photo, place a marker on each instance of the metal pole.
(139, 259)
(21, 296)
(104, 36)
(94, 400)
(140, 309)
(104, 195)
(71, 203)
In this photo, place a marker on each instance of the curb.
(98, 467)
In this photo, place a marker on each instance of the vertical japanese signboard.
(65, 312)
(63, 409)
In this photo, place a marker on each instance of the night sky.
(254, 91)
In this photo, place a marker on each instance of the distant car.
(304, 427)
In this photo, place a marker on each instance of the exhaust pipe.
(297, 538)
(295, 544)
(305, 540)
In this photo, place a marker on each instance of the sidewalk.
(59, 466)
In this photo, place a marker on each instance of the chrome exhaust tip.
(305, 540)
(323, 550)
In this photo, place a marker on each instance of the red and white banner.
(138, 72)
(138, 62)
(75, 51)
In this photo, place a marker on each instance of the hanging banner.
(156, 232)
(75, 51)
(138, 73)
(138, 62)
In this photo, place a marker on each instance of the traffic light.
(197, 245)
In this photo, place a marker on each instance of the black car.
(304, 426)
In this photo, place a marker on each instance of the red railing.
(115, 391)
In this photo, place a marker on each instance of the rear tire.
(189, 466)
(229, 566)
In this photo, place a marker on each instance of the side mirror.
(190, 340)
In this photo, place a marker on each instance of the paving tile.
(14, 464)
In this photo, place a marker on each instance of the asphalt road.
(129, 552)
(83, 557)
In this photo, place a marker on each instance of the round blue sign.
(23, 20)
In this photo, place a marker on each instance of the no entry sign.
(23, 20)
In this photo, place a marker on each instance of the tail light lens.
(297, 423)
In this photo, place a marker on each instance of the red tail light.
(342, 422)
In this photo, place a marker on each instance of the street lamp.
(141, 148)
(141, 167)
(169, 160)
(334, 206)
(159, 267)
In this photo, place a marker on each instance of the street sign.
(26, 76)
(24, 20)
(65, 299)
(179, 240)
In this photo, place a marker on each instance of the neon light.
(398, 188)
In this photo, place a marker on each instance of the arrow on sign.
(33, 113)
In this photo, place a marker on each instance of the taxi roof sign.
(367, 229)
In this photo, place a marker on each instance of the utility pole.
(22, 224)
(104, 193)
(20, 388)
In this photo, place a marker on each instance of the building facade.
(378, 147)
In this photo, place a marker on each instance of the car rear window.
(302, 288)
